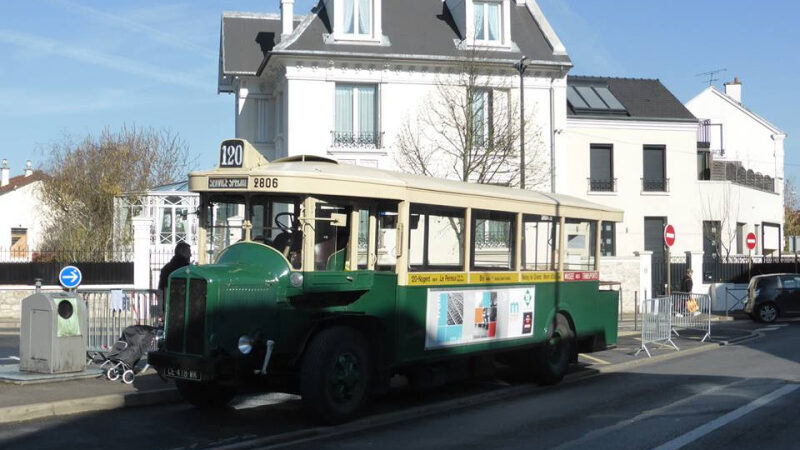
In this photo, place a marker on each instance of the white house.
(20, 232)
(342, 80)
(741, 156)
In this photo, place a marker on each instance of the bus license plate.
(184, 374)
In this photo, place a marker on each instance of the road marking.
(601, 432)
(767, 329)
(703, 430)
(593, 358)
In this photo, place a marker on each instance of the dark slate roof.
(642, 98)
(426, 28)
(246, 39)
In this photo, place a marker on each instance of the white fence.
(110, 311)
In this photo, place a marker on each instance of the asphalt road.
(9, 346)
(741, 396)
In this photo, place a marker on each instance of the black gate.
(658, 270)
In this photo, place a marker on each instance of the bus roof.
(323, 177)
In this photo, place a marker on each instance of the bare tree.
(468, 129)
(791, 215)
(86, 174)
(724, 210)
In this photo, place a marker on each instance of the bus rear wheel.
(552, 359)
(205, 395)
(336, 374)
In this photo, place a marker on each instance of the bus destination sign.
(227, 183)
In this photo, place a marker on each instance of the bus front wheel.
(552, 359)
(335, 375)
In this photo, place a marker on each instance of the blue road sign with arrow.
(70, 277)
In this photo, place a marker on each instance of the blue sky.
(76, 66)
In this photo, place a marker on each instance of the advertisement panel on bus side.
(469, 316)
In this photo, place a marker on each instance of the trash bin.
(53, 330)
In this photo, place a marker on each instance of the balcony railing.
(348, 139)
(655, 185)
(602, 185)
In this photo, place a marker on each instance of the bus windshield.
(271, 220)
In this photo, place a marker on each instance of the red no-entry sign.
(669, 235)
(751, 240)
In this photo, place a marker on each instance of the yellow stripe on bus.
(452, 278)
(427, 279)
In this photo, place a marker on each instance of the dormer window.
(355, 21)
(357, 17)
(487, 22)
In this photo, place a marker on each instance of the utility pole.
(520, 66)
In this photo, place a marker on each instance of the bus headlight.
(296, 279)
(245, 344)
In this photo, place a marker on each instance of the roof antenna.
(712, 75)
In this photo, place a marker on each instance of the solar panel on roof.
(591, 97)
(609, 98)
(574, 99)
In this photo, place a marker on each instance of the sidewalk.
(35, 401)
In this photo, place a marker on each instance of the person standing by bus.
(182, 258)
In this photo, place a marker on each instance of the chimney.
(287, 17)
(4, 173)
(28, 170)
(734, 89)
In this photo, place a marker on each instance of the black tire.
(767, 312)
(336, 375)
(205, 395)
(552, 359)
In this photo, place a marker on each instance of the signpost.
(70, 277)
(751, 244)
(669, 241)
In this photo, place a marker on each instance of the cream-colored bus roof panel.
(330, 178)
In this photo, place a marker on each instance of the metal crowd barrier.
(111, 311)
(656, 323)
(691, 312)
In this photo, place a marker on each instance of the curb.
(33, 411)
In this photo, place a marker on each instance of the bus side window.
(493, 237)
(386, 238)
(330, 240)
(580, 249)
(539, 242)
(436, 238)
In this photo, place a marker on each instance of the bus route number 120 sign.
(231, 153)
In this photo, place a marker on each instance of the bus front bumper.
(195, 367)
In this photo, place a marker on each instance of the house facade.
(634, 146)
(20, 232)
(346, 80)
(740, 164)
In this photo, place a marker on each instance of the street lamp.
(521, 66)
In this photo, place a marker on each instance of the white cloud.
(156, 34)
(113, 62)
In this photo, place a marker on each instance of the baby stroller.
(121, 361)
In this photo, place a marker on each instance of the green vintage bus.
(327, 279)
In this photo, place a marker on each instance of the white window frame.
(375, 31)
(356, 125)
(504, 24)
